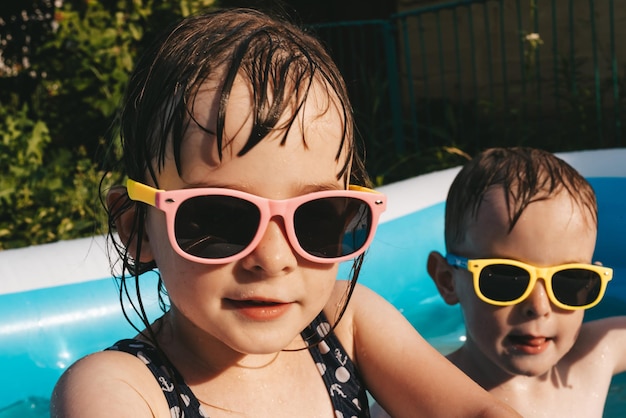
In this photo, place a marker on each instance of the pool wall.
(58, 301)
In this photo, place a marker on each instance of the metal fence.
(477, 73)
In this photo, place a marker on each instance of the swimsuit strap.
(174, 393)
(339, 373)
(341, 377)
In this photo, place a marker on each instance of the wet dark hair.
(526, 174)
(279, 60)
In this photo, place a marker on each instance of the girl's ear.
(124, 211)
(442, 274)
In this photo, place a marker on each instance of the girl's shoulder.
(357, 300)
(363, 317)
(112, 382)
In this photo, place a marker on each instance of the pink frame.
(169, 201)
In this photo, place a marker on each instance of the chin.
(268, 344)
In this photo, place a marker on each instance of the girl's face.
(260, 303)
(533, 336)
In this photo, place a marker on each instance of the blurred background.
(432, 82)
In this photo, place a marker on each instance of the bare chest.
(574, 397)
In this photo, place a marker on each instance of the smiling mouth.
(259, 310)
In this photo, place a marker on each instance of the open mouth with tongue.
(529, 344)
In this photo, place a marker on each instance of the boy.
(520, 231)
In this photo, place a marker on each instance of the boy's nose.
(537, 304)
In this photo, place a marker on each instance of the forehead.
(551, 230)
(313, 122)
(306, 109)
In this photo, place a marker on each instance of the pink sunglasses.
(217, 226)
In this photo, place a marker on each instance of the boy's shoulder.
(604, 340)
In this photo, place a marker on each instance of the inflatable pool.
(58, 301)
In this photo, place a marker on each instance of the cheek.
(320, 281)
(570, 324)
(468, 299)
(156, 228)
(166, 258)
(483, 318)
(323, 276)
(488, 331)
(485, 322)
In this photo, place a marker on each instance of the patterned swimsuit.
(340, 375)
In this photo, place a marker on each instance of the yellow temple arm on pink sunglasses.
(141, 192)
(356, 188)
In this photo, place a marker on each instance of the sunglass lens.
(333, 226)
(215, 226)
(576, 287)
(502, 282)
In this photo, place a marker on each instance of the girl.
(238, 140)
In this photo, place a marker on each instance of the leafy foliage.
(58, 101)
(41, 200)
(56, 113)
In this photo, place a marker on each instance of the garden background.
(432, 83)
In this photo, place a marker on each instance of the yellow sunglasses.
(504, 282)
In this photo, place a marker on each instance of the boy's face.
(531, 337)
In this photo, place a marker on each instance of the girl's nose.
(537, 304)
(274, 254)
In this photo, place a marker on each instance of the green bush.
(43, 196)
(56, 114)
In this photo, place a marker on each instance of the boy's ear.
(119, 203)
(442, 274)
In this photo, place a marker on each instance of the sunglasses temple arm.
(141, 193)
(455, 261)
